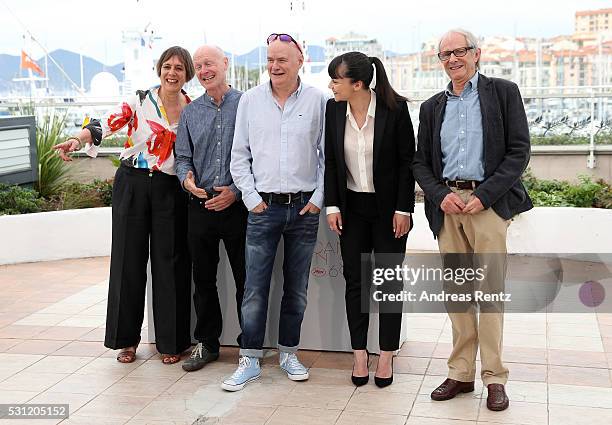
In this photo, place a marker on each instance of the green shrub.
(26, 108)
(603, 199)
(52, 172)
(18, 200)
(105, 191)
(545, 199)
(114, 141)
(115, 160)
(584, 193)
(77, 195)
(555, 193)
(533, 184)
(564, 139)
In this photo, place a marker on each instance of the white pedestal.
(324, 326)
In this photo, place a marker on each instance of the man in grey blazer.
(473, 146)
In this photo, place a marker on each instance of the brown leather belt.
(463, 184)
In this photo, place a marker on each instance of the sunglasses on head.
(283, 37)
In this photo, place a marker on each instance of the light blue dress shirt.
(461, 134)
(279, 150)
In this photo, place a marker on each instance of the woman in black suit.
(369, 193)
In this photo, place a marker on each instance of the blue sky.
(239, 25)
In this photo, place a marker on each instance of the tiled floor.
(51, 351)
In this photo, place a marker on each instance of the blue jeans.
(263, 234)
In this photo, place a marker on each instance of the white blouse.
(359, 153)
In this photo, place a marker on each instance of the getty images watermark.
(410, 275)
(521, 283)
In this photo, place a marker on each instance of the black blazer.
(506, 151)
(393, 153)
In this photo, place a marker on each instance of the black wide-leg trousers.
(364, 232)
(149, 216)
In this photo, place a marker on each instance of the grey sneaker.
(199, 357)
(292, 366)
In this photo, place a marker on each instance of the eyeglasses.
(458, 52)
(283, 37)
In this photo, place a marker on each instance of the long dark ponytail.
(358, 67)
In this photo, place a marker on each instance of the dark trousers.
(148, 206)
(206, 230)
(364, 232)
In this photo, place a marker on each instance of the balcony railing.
(573, 114)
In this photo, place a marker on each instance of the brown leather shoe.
(450, 388)
(497, 399)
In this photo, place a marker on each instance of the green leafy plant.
(564, 140)
(18, 200)
(75, 195)
(554, 193)
(78, 195)
(545, 199)
(114, 141)
(104, 188)
(603, 199)
(532, 184)
(26, 108)
(52, 172)
(584, 193)
(115, 160)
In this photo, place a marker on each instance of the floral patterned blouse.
(150, 137)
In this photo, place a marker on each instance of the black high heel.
(384, 382)
(359, 381)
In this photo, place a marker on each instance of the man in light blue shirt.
(278, 165)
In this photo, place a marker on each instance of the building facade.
(588, 21)
(579, 60)
(352, 42)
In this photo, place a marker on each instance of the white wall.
(561, 230)
(55, 235)
(540, 230)
(87, 233)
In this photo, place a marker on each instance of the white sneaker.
(248, 370)
(290, 364)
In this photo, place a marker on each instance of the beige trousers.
(484, 232)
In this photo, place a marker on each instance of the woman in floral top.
(149, 207)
